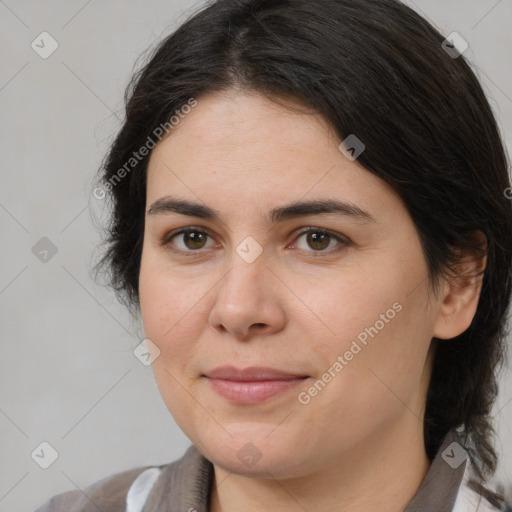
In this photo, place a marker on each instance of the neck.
(382, 473)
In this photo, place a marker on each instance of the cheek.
(383, 365)
(172, 313)
(380, 330)
(342, 308)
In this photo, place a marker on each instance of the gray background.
(67, 372)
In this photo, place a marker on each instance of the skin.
(358, 444)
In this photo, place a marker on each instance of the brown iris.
(317, 240)
(194, 239)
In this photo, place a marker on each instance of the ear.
(461, 293)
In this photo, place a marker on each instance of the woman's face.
(343, 311)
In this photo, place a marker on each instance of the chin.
(252, 452)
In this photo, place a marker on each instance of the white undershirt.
(140, 489)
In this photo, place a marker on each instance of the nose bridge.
(246, 295)
(247, 276)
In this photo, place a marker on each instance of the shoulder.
(128, 491)
(108, 494)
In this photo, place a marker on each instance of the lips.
(253, 373)
(249, 386)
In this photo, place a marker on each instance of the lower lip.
(252, 392)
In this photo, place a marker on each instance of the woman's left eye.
(320, 239)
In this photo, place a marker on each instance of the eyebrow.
(166, 205)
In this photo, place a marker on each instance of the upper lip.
(252, 373)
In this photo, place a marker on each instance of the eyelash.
(343, 242)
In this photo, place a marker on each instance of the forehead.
(244, 147)
(241, 122)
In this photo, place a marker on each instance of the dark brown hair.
(378, 70)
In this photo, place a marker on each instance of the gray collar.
(438, 490)
(190, 479)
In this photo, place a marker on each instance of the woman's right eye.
(186, 241)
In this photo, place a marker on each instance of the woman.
(310, 215)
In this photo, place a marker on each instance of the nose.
(249, 300)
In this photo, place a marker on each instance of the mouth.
(248, 386)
